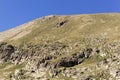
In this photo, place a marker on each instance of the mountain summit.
(72, 47)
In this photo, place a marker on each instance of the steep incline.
(65, 27)
(73, 47)
(19, 31)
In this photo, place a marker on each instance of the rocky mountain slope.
(73, 47)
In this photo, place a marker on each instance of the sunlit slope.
(64, 28)
(51, 47)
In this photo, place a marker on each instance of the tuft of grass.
(61, 77)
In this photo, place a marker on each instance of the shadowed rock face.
(60, 24)
(68, 62)
(75, 59)
(6, 51)
(72, 61)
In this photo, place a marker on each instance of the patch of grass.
(16, 67)
(90, 61)
(4, 65)
(94, 59)
(61, 77)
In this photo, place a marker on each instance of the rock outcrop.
(85, 47)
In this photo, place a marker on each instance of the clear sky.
(16, 12)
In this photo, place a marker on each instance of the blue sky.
(16, 12)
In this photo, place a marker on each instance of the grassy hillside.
(76, 27)
(89, 40)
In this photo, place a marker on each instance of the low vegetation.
(73, 47)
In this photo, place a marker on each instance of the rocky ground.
(69, 54)
(48, 61)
